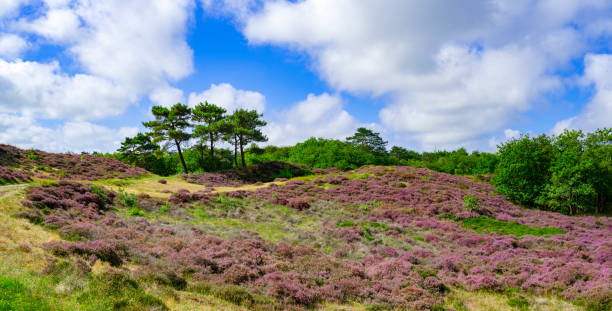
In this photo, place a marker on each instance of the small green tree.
(369, 140)
(598, 150)
(569, 190)
(170, 125)
(137, 150)
(209, 124)
(246, 126)
(524, 168)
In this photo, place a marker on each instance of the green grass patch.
(15, 296)
(484, 225)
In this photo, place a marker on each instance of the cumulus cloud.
(456, 72)
(43, 91)
(61, 24)
(8, 7)
(11, 45)
(230, 98)
(25, 132)
(317, 116)
(510, 133)
(598, 111)
(121, 58)
(167, 96)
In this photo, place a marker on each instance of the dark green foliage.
(15, 296)
(524, 168)
(170, 125)
(569, 189)
(246, 128)
(371, 142)
(138, 151)
(209, 126)
(484, 225)
(325, 153)
(570, 173)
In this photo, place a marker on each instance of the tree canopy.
(171, 125)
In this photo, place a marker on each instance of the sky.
(81, 75)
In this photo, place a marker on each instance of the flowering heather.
(12, 176)
(259, 172)
(394, 237)
(67, 165)
(210, 180)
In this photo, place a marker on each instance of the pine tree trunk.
(236, 151)
(201, 147)
(212, 152)
(242, 152)
(178, 147)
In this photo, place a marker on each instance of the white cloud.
(226, 96)
(8, 7)
(60, 25)
(510, 133)
(317, 116)
(43, 91)
(25, 132)
(11, 45)
(167, 96)
(122, 58)
(456, 72)
(597, 113)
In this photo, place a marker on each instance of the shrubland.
(378, 238)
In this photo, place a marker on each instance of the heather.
(384, 237)
(12, 176)
(64, 165)
(261, 172)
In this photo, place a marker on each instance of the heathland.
(84, 232)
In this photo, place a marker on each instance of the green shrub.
(127, 199)
(135, 211)
(470, 202)
(32, 155)
(100, 192)
(523, 168)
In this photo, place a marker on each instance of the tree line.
(569, 173)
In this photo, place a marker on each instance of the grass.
(512, 300)
(15, 296)
(484, 225)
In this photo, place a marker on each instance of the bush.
(470, 202)
(524, 168)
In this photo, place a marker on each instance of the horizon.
(81, 76)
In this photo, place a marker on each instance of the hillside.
(108, 236)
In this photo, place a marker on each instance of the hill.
(375, 238)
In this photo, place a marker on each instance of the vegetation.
(485, 225)
(276, 235)
(170, 125)
(570, 173)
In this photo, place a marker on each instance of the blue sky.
(81, 75)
